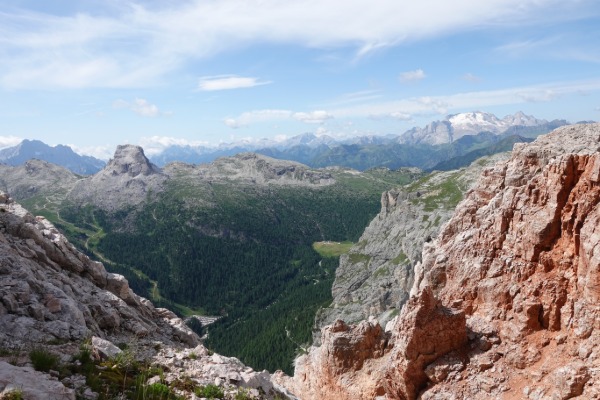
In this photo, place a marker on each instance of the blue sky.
(97, 73)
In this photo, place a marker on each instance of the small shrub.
(193, 356)
(210, 392)
(186, 384)
(15, 394)
(43, 360)
(158, 391)
(243, 394)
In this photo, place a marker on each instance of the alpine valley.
(462, 278)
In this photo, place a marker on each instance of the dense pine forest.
(240, 251)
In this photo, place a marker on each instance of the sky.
(97, 73)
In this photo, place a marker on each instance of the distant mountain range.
(452, 142)
(59, 155)
(446, 141)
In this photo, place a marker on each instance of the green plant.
(185, 383)
(4, 352)
(210, 392)
(243, 394)
(14, 394)
(156, 391)
(43, 360)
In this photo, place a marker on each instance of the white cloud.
(140, 106)
(313, 117)
(9, 141)
(101, 152)
(409, 108)
(469, 77)
(156, 144)
(268, 115)
(112, 48)
(467, 101)
(540, 96)
(356, 97)
(251, 117)
(227, 82)
(412, 76)
(401, 116)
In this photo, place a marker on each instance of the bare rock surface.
(50, 291)
(505, 303)
(55, 298)
(375, 277)
(204, 368)
(255, 169)
(32, 385)
(36, 178)
(128, 179)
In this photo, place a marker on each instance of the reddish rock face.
(521, 258)
(506, 303)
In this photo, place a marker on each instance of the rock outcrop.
(506, 301)
(55, 298)
(256, 169)
(375, 277)
(50, 291)
(128, 179)
(36, 178)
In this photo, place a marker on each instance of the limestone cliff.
(506, 301)
(375, 277)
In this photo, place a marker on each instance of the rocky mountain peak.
(455, 126)
(128, 178)
(131, 160)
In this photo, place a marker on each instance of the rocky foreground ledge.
(506, 302)
(65, 315)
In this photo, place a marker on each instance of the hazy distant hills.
(457, 140)
(59, 155)
(452, 138)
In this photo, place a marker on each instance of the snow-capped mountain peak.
(456, 126)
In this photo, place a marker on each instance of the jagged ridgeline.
(233, 238)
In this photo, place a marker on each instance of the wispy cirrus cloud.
(412, 76)
(86, 48)
(469, 77)
(356, 97)
(431, 105)
(313, 117)
(269, 115)
(228, 82)
(141, 107)
(251, 117)
(408, 108)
